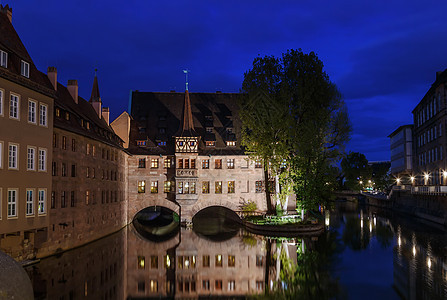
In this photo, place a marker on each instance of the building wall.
(18, 234)
(88, 198)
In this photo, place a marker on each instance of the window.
(73, 145)
(53, 199)
(87, 197)
(205, 187)
(14, 107)
(141, 143)
(54, 168)
(67, 116)
(87, 149)
(186, 163)
(206, 261)
(219, 260)
(206, 285)
(72, 199)
(31, 159)
(231, 143)
(13, 156)
(63, 201)
(231, 260)
(230, 163)
(12, 203)
(142, 163)
(29, 202)
(153, 286)
(161, 143)
(154, 262)
(57, 112)
(154, 187)
(141, 286)
(231, 187)
(180, 163)
(218, 164)
(258, 186)
(141, 262)
(259, 260)
(154, 163)
(258, 163)
(64, 142)
(73, 170)
(180, 187)
(141, 186)
(218, 284)
(259, 285)
(32, 111)
(205, 164)
(186, 188)
(210, 143)
(24, 69)
(218, 187)
(1, 158)
(3, 59)
(192, 189)
(231, 285)
(41, 206)
(1, 102)
(167, 162)
(167, 186)
(193, 163)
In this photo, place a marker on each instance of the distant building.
(402, 152)
(26, 129)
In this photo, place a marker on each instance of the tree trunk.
(268, 197)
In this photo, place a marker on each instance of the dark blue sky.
(382, 55)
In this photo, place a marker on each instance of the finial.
(96, 70)
(186, 73)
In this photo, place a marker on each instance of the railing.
(432, 189)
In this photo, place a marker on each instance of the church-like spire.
(187, 122)
(95, 90)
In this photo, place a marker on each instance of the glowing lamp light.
(375, 221)
(397, 180)
(399, 241)
(428, 262)
(168, 261)
(361, 182)
(369, 181)
(414, 251)
(444, 173)
(426, 176)
(370, 227)
(412, 179)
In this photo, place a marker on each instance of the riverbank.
(285, 230)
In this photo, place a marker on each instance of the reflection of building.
(196, 267)
(186, 150)
(26, 127)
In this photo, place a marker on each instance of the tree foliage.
(295, 121)
(356, 170)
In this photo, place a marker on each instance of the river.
(365, 253)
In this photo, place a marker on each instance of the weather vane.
(186, 73)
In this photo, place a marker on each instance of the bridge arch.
(201, 205)
(138, 205)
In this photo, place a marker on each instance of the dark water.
(364, 254)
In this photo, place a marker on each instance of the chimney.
(72, 87)
(438, 73)
(7, 11)
(105, 114)
(52, 76)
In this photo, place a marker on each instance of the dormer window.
(141, 129)
(209, 129)
(161, 143)
(141, 143)
(58, 112)
(210, 143)
(88, 125)
(162, 130)
(24, 69)
(3, 59)
(231, 143)
(229, 130)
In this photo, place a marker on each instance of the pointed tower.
(186, 139)
(95, 98)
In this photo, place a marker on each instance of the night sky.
(382, 55)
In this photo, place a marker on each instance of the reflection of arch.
(214, 202)
(156, 223)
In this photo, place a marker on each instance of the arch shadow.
(216, 223)
(157, 223)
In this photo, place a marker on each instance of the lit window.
(67, 116)
(192, 189)
(154, 163)
(154, 187)
(218, 186)
(180, 163)
(186, 163)
(153, 285)
(167, 162)
(230, 187)
(12, 203)
(141, 143)
(231, 143)
(161, 143)
(180, 187)
(259, 260)
(1, 156)
(231, 260)
(210, 143)
(24, 69)
(193, 163)
(3, 59)
(13, 156)
(186, 188)
(141, 262)
(31, 158)
(167, 186)
(1, 102)
(218, 260)
(14, 107)
(87, 197)
(258, 186)
(258, 163)
(231, 285)
(64, 142)
(218, 164)
(230, 163)
(42, 160)
(32, 111)
(205, 164)
(141, 186)
(205, 187)
(29, 202)
(206, 285)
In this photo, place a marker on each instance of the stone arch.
(136, 207)
(200, 205)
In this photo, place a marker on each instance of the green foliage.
(248, 205)
(356, 169)
(293, 119)
(381, 175)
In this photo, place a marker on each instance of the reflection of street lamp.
(398, 181)
(428, 262)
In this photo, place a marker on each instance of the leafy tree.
(381, 175)
(294, 119)
(356, 170)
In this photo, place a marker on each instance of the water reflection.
(365, 253)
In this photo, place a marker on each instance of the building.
(185, 154)
(402, 152)
(88, 195)
(26, 130)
